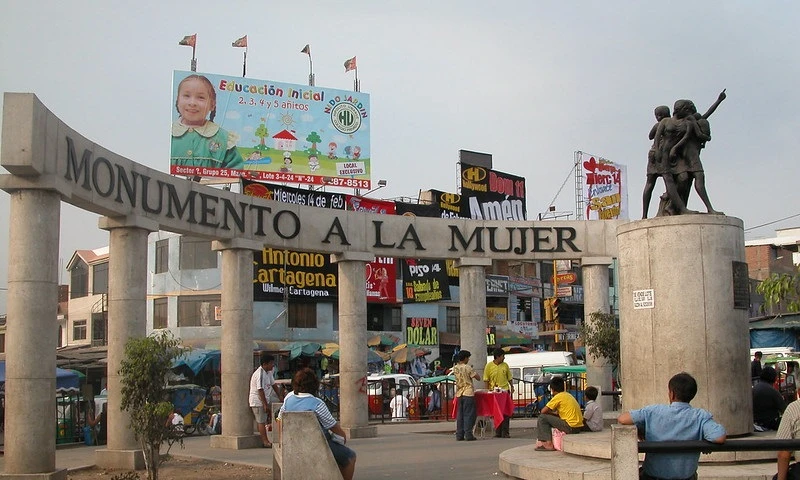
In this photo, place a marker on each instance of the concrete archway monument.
(49, 163)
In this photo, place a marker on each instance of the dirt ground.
(182, 469)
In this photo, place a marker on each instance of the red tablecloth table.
(491, 404)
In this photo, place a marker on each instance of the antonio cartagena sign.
(310, 276)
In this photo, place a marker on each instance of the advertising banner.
(382, 273)
(449, 204)
(423, 280)
(605, 189)
(449, 207)
(308, 276)
(228, 127)
(422, 331)
(492, 195)
(496, 316)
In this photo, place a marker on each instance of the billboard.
(230, 127)
(491, 195)
(423, 280)
(605, 189)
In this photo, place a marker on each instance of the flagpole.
(356, 83)
(310, 70)
(244, 64)
(194, 60)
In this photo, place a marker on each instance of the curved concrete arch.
(42, 152)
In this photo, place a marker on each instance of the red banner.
(381, 277)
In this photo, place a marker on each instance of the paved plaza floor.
(400, 451)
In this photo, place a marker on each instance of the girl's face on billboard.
(194, 102)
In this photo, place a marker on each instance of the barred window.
(453, 319)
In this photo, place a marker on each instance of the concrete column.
(472, 306)
(353, 412)
(595, 299)
(237, 344)
(30, 446)
(692, 324)
(624, 452)
(127, 319)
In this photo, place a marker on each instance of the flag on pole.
(306, 50)
(189, 40)
(242, 42)
(350, 64)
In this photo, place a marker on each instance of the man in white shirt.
(399, 406)
(261, 381)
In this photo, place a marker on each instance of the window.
(198, 311)
(453, 319)
(302, 315)
(100, 279)
(79, 330)
(162, 256)
(99, 329)
(383, 318)
(2, 343)
(196, 254)
(160, 313)
(79, 281)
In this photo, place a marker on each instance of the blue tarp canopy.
(64, 378)
(196, 359)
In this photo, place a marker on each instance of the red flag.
(306, 50)
(189, 40)
(242, 42)
(350, 64)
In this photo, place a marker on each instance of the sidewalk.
(400, 451)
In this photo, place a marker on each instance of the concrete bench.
(300, 450)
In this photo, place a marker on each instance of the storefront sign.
(422, 331)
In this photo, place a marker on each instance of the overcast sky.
(530, 82)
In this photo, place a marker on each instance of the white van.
(530, 394)
(774, 351)
(528, 366)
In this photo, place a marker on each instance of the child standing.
(399, 406)
(196, 140)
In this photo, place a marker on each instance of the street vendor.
(497, 376)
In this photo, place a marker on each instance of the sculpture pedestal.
(692, 326)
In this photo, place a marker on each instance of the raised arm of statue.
(722, 96)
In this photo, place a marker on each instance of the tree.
(262, 133)
(601, 336)
(780, 289)
(144, 372)
(314, 138)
